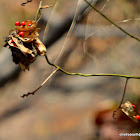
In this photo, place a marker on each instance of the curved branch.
(89, 75)
(84, 75)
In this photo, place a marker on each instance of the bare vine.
(127, 77)
(81, 74)
(86, 75)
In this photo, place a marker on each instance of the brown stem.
(122, 98)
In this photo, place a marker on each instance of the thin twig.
(112, 22)
(104, 5)
(70, 30)
(122, 21)
(23, 4)
(38, 10)
(87, 26)
(50, 18)
(89, 75)
(33, 92)
(122, 98)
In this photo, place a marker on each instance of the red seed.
(23, 23)
(30, 24)
(12, 41)
(134, 106)
(17, 23)
(138, 117)
(21, 34)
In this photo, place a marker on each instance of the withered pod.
(25, 44)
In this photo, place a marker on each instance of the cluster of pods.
(24, 43)
(129, 109)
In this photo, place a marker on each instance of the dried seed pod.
(41, 49)
(30, 32)
(128, 109)
(25, 44)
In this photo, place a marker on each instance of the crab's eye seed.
(30, 24)
(23, 23)
(17, 23)
(134, 106)
(12, 41)
(138, 117)
(21, 34)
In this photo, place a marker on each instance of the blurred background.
(71, 107)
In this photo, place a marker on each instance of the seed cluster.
(24, 43)
(129, 109)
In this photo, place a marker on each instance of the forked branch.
(84, 75)
(33, 92)
(81, 74)
(89, 75)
